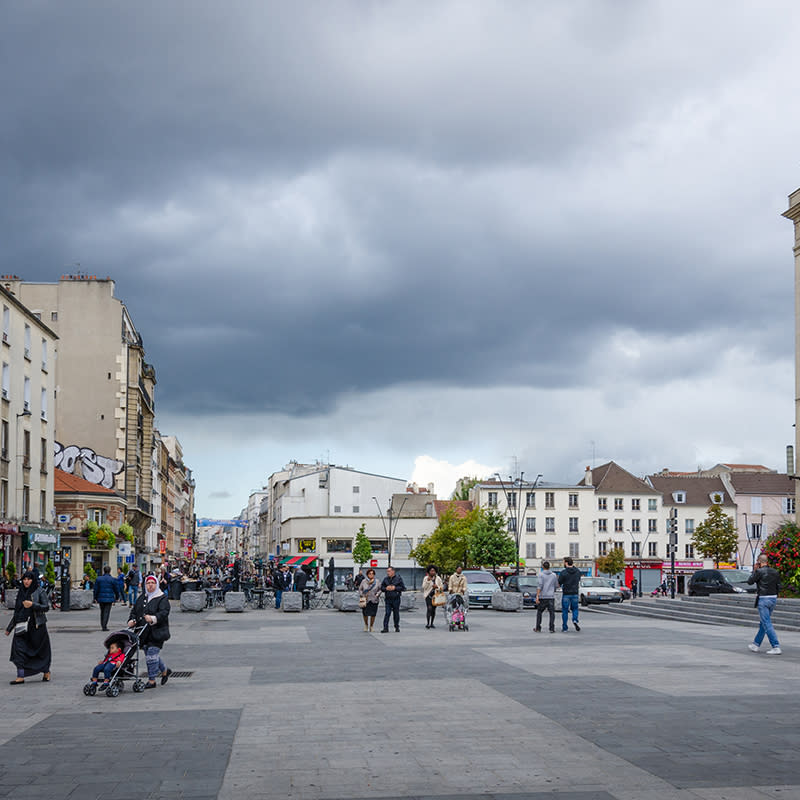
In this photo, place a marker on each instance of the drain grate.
(176, 674)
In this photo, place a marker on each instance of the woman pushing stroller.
(152, 611)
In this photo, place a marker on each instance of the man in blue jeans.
(570, 581)
(283, 583)
(767, 582)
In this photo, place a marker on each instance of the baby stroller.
(456, 611)
(128, 670)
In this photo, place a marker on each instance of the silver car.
(598, 590)
(481, 585)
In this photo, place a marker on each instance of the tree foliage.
(463, 486)
(447, 546)
(489, 543)
(782, 549)
(715, 537)
(362, 549)
(613, 563)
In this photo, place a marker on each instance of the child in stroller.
(456, 611)
(121, 663)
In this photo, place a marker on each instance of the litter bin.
(175, 589)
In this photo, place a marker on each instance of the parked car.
(481, 585)
(618, 584)
(719, 581)
(598, 590)
(527, 584)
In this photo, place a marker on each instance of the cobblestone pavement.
(308, 706)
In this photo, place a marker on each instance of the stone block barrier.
(292, 601)
(507, 601)
(11, 598)
(80, 599)
(346, 601)
(408, 601)
(234, 601)
(193, 601)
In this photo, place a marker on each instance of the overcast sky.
(423, 238)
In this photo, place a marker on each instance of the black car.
(719, 581)
(527, 584)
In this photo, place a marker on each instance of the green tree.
(447, 546)
(715, 537)
(463, 485)
(88, 571)
(50, 571)
(782, 549)
(362, 549)
(126, 531)
(613, 563)
(489, 543)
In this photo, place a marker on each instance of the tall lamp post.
(390, 532)
(516, 510)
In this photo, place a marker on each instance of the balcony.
(143, 505)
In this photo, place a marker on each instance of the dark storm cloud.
(303, 200)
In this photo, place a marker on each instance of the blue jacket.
(106, 589)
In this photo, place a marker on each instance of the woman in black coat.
(30, 648)
(152, 611)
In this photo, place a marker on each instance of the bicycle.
(53, 595)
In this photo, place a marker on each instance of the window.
(492, 500)
(652, 549)
(602, 525)
(44, 354)
(689, 551)
(652, 526)
(27, 353)
(54, 316)
(356, 509)
(636, 504)
(6, 323)
(755, 505)
(43, 401)
(379, 545)
(754, 531)
(26, 502)
(42, 506)
(619, 504)
(550, 550)
(619, 525)
(573, 524)
(26, 448)
(689, 526)
(602, 504)
(549, 524)
(636, 549)
(602, 548)
(512, 525)
(530, 499)
(6, 381)
(356, 489)
(97, 515)
(574, 549)
(788, 505)
(636, 526)
(403, 545)
(4, 439)
(43, 456)
(530, 525)
(339, 545)
(679, 497)
(337, 509)
(549, 499)
(3, 498)
(26, 395)
(511, 498)
(573, 501)
(530, 550)
(652, 504)
(619, 546)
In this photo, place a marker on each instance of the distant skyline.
(423, 239)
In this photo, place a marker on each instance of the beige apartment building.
(27, 429)
(104, 389)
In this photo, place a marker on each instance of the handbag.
(439, 598)
(21, 628)
(362, 601)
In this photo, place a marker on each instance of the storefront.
(647, 572)
(11, 541)
(683, 571)
(39, 546)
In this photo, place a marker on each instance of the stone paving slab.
(309, 707)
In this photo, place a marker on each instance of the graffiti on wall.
(94, 467)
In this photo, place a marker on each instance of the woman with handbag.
(30, 647)
(368, 592)
(432, 591)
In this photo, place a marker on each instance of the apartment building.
(105, 407)
(27, 433)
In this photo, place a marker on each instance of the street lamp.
(516, 511)
(391, 531)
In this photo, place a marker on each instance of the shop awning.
(41, 538)
(298, 561)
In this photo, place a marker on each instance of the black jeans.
(549, 604)
(392, 609)
(105, 613)
(431, 610)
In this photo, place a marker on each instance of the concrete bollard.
(193, 601)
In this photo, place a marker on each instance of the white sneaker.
(753, 647)
(776, 651)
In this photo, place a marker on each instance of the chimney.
(587, 478)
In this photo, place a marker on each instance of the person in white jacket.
(431, 583)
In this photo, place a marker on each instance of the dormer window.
(679, 497)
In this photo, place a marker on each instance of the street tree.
(613, 563)
(362, 549)
(489, 543)
(447, 546)
(715, 537)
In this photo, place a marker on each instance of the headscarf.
(26, 593)
(156, 592)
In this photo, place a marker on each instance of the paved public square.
(308, 706)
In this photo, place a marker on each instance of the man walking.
(300, 581)
(392, 587)
(767, 581)
(546, 597)
(134, 581)
(106, 591)
(283, 583)
(570, 581)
